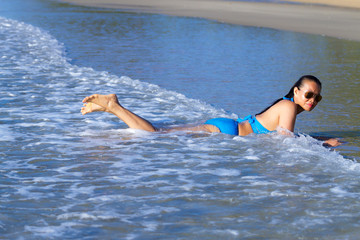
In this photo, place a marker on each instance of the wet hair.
(298, 84)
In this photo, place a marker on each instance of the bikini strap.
(290, 99)
(249, 118)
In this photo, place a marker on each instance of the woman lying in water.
(280, 116)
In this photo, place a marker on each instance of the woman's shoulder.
(280, 108)
(286, 103)
(285, 106)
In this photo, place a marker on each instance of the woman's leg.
(109, 103)
(198, 128)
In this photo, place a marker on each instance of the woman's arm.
(287, 116)
(288, 113)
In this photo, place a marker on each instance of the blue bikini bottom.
(230, 126)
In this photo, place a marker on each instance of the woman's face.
(301, 95)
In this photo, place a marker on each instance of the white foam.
(340, 192)
(75, 190)
(111, 198)
(226, 172)
(39, 51)
(65, 170)
(6, 134)
(88, 216)
(31, 192)
(147, 210)
(252, 157)
(150, 226)
(52, 231)
(51, 179)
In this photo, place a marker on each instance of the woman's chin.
(308, 109)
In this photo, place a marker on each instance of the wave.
(34, 54)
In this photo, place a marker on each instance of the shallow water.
(63, 175)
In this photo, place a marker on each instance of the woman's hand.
(332, 142)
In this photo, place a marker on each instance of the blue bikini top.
(290, 99)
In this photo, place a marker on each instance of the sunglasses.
(309, 95)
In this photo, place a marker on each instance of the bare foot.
(105, 102)
(109, 103)
(91, 107)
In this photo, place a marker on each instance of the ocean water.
(68, 176)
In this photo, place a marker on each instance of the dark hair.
(298, 84)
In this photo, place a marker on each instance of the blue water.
(66, 176)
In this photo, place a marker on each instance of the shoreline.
(339, 22)
(334, 3)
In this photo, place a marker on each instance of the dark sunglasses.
(309, 95)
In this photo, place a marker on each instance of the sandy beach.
(336, 3)
(315, 18)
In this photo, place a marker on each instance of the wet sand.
(336, 3)
(340, 22)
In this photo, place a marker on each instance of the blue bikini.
(230, 126)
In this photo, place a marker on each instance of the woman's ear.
(296, 91)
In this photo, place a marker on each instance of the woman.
(280, 116)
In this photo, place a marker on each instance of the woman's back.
(282, 114)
